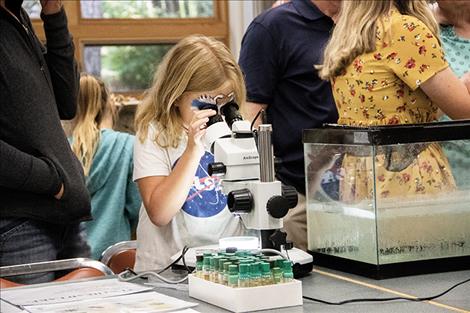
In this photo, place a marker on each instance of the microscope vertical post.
(266, 160)
(266, 156)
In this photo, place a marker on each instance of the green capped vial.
(212, 268)
(221, 270)
(199, 263)
(287, 273)
(233, 276)
(240, 254)
(266, 276)
(217, 269)
(244, 276)
(277, 275)
(279, 263)
(225, 279)
(206, 267)
(255, 274)
(234, 260)
(272, 264)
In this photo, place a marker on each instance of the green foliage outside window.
(127, 68)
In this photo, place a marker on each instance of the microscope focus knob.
(290, 193)
(216, 168)
(277, 206)
(240, 201)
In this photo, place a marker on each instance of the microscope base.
(302, 262)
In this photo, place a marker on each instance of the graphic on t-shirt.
(205, 198)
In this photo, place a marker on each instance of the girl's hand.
(197, 129)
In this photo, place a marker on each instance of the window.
(124, 68)
(33, 8)
(138, 9)
(123, 41)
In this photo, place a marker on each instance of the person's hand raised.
(51, 6)
(197, 129)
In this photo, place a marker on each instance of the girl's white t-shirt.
(203, 219)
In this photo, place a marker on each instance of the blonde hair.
(195, 64)
(356, 31)
(93, 107)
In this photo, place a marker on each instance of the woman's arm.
(449, 93)
(163, 196)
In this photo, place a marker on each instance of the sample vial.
(240, 254)
(199, 263)
(279, 263)
(221, 270)
(225, 279)
(244, 276)
(287, 273)
(215, 269)
(206, 267)
(272, 264)
(255, 274)
(277, 275)
(233, 276)
(266, 276)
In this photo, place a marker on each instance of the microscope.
(244, 161)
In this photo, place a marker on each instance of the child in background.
(182, 204)
(106, 157)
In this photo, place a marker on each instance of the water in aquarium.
(398, 230)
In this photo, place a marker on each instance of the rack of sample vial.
(243, 282)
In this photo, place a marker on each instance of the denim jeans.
(24, 241)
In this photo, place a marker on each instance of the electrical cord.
(184, 262)
(386, 299)
(287, 253)
(183, 252)
(275, 252)
(256, 117)
(121, 276)
(146, 274)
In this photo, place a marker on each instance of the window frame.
(106, 31)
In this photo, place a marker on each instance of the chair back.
(84, 268)
(120, 256)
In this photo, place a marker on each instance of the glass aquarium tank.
(387, 201)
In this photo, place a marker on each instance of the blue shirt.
(278, 54)
(457, 50)
(115, 199)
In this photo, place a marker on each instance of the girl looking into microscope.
(182, 204)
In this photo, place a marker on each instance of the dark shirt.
(278, 54)
(37, 88)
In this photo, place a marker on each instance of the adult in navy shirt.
(278, 54)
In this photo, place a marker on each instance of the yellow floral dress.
(382, 88)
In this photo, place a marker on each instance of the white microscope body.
(247, 173)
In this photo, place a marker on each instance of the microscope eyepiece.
(231, 113)
(201, 105)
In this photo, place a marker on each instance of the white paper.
(146, 302)
(8, 308)
(69, 292)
